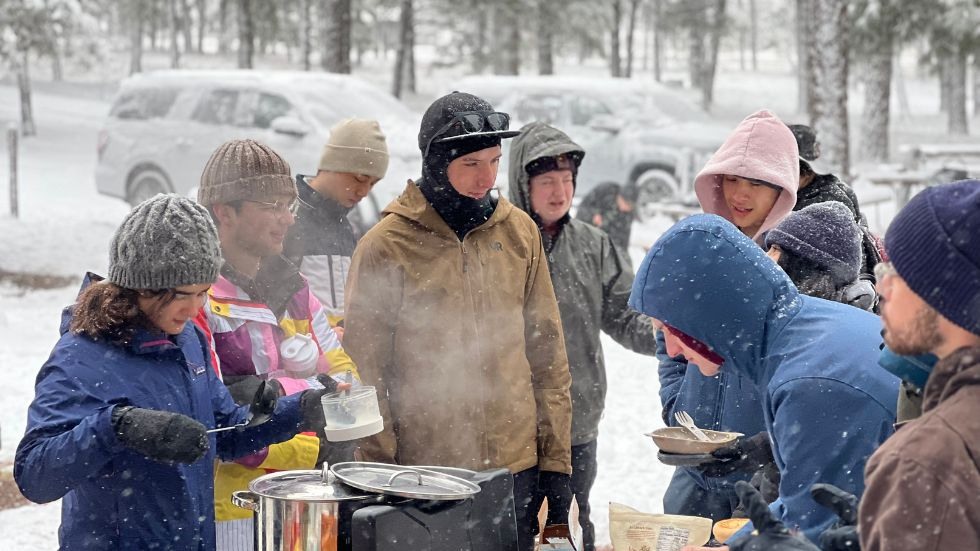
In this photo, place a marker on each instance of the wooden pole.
(12, 151)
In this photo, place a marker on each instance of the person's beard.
(920, 336)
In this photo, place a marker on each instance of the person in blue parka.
(724, 306)
(117, 428)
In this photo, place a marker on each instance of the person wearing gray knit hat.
(323, 239)
(819, 248)
(165, 242)
(826, 235)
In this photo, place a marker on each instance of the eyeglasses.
(471, 122)
(883, 270)
(279, 207)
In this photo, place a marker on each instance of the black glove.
(260, 395)
(843, 535)
(160, 435)
(773, 535)
(557, 487)
(310, 407)
(747, 453)
(766, 480)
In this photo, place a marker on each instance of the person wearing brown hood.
(592, 281)
(452, 316)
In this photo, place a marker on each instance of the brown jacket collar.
(413, 205)
(959, 369)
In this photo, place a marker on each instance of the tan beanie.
(356, 146)
(244, 170)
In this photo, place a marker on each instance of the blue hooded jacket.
(113, 497)
(826, 403)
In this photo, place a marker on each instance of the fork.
(685, 420)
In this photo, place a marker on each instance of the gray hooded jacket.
(592, 282)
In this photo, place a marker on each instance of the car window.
(270, 107)
(584, 109)
(217, 107)
(149, 103)
(539, 107)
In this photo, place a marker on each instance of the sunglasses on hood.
(469, 124)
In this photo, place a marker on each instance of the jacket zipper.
(462, 247)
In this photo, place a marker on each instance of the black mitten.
(557, 487)
(160, 435)
(773, 535)
(843, 535)
(312, 410)
(747, 453)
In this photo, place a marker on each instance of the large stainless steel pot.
(302, 510)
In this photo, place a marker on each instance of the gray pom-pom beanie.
(165, 242)
(824, 233)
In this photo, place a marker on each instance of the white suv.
(163, 127)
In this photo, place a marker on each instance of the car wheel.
(652, 186)
(145, 184)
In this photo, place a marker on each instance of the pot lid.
(402, 481)
(319, 486)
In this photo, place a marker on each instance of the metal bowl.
(680, 441)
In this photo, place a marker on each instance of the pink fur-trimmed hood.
(761, 147)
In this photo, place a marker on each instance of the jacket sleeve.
(550, 376)
(907, 505)
(627, 326)
(232, 444)
(671, 372)
(69, 435)
(816, 443)
(373, 289)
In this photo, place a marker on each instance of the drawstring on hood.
(762, 148)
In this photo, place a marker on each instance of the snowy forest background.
(872, 76)
(832, 47)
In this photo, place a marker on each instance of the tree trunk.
(804, 67)
(708, 78)
(336, 42)
(246, 34)
(478, 63)
(631, 29)
(615, 67)
(202, 17)
(27, 127)
(410, 55)
(754, 33)
(945, 83)
(829, 99)
(507, 37)
(185, 25)
(222, 25)
(877, 97)
(174, 31)
(696, 61)
(546, 25)
(404, 44)
(958, 122)
(136, 37)
(657, 40)
(305, 32)
(976, 83)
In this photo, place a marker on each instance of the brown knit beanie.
(356, 146)
(244, 170)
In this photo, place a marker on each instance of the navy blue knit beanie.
(825, 234)
(934, 246)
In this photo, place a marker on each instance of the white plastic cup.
(351, 417)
